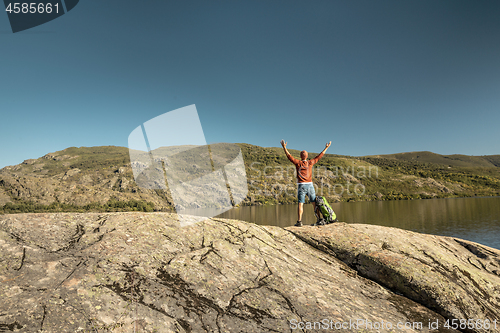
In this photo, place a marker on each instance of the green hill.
(493, 159)
(101, 179)
(448, 160)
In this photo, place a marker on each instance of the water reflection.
(475, 219)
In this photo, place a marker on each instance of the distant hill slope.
(449, 160)
(101, 179)
(494, 159)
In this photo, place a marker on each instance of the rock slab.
(142, 272)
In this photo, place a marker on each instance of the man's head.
(303, 155)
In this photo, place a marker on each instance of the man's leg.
(301, 196)
(300, 211)
(312, 197)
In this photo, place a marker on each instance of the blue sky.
(374, 77)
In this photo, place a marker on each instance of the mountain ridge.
(451, 160)
(423, 155)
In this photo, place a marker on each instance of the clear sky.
(374, 77)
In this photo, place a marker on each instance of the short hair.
(303, 154)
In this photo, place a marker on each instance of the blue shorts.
(304, 189)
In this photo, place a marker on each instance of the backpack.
(326, 211)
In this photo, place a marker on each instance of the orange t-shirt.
(304, 168)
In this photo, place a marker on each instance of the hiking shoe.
(298, 224)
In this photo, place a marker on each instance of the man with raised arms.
(304, 178)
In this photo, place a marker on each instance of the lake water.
(474, 219)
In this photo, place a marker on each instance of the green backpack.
(324, 208)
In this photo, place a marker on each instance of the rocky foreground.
(141, 272)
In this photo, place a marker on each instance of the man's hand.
(326, 147)
(283, 143)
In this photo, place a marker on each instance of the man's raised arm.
(317, 158)
(290, 157)
(283, 143)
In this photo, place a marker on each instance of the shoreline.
(68, 208)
